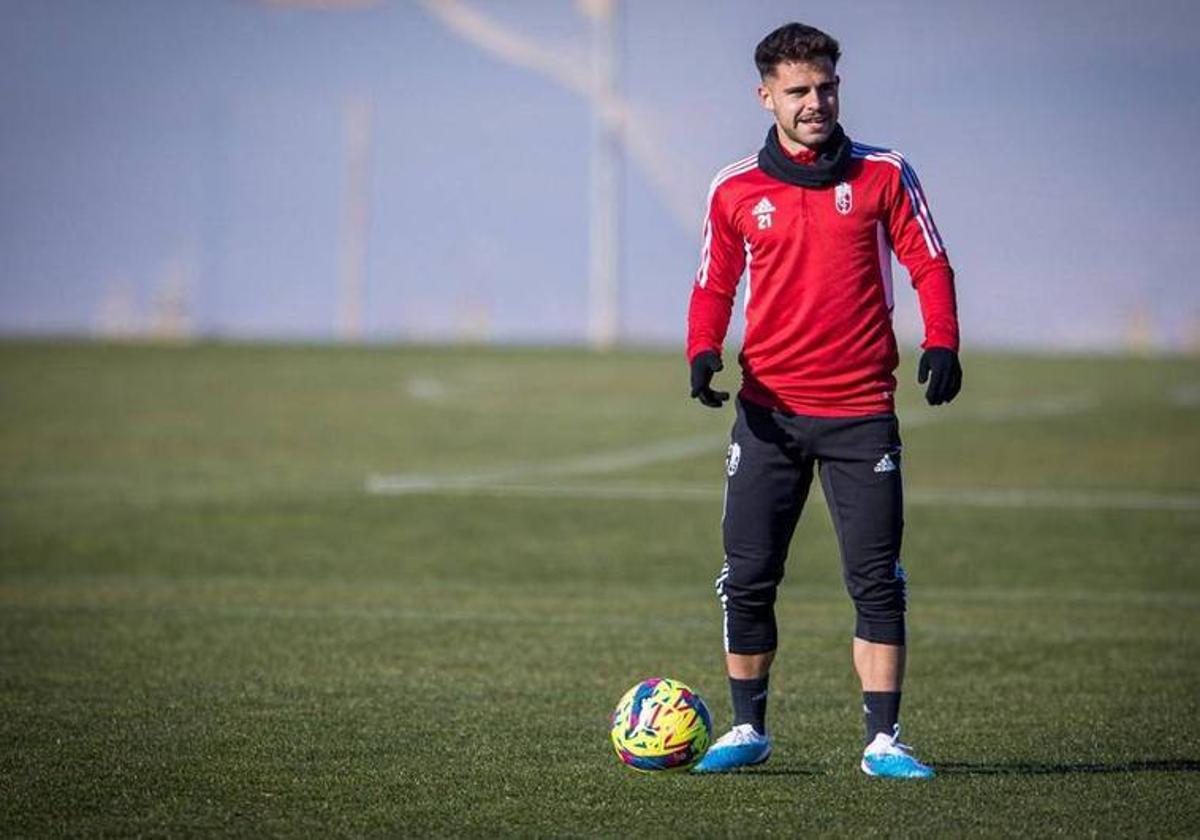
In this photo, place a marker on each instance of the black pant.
(769, 469)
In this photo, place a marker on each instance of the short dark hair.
(794, 42)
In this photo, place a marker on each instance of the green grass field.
(209, 626)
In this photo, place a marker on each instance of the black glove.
(703, 367)
(946, 376)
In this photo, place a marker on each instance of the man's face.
(804, 99)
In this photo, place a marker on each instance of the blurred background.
(535, 170)
(392, 581)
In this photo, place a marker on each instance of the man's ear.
(764, 98)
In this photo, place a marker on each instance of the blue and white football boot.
(888, 758)
(739, 747)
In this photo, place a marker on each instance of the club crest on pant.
(843, 198)
(732, 459)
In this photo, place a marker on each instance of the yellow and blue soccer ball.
(661, 724)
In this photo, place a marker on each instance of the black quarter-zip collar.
(828, 168)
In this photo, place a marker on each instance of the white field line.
(102, 592)
(599, 463)
(515, 480)
(676, 449)
(986, 497)
(651, 492)
(1013, 497)
(1045, 407)
(1185, 396)
(795, 599)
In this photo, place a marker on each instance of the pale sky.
(197, 145)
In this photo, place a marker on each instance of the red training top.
(819, 337)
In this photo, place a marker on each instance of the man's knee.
(749, 608)
(750, 631)
(879, 606)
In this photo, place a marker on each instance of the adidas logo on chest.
(763, 211)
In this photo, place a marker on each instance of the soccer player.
(815, 217)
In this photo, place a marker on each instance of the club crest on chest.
(843, 198)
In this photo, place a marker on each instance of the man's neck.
(794, 149)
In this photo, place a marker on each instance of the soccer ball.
(661, 724)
